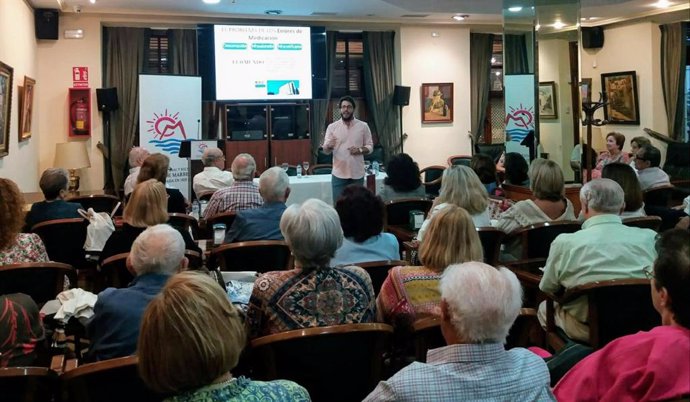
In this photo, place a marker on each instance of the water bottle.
(202, 207)
(375, 167)
(299, 171)
(196, 209)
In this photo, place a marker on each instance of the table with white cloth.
(317, 186)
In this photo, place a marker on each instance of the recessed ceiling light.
(273, 12)
(460, 17)
(558, 24)
(662, 4)
(92, 1)
(515, 9)
(435, 34)
(211, 1)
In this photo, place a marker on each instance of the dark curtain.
(481, 48)
(319, 109)
(515, 46)
(673, 54)
(182, 51)
(379, 85)
(123, 62)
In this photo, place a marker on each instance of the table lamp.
(72, 156)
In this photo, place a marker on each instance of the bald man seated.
(242, 194)
(213, 177)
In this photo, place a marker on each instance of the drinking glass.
(305, 167)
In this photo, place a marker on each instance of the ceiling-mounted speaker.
(401, 96)
(46, 23)
(592, 37)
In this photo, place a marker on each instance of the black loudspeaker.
(107, 99)
(592, 37)
(46, 23)
(401, 96)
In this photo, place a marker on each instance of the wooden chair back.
(28, 384)
(114, 271)
(195, 258)
(113, 380)
(257, 255)
(645, 222)
(335, 363)
(459, 160)
(42, 281)
(64, 240)
(617, 308)
(321, 168)
(659, 196)
(378, 271)
(398, 211)
(184, 222)
(205, 196)
(99, 202)
(426, 333)
(491, 239)
(431, 179)
(226, 217)
(537, 238)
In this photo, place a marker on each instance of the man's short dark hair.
(52, 181)
(360, 212)
(652, 154)
(347, 98)
(672, 271)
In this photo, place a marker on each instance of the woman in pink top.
(647, 366)
(614, 153)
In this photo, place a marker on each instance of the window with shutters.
(349, 56)
(157, 61)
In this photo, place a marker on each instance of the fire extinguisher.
(79, 115)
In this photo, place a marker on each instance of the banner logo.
(168, 132)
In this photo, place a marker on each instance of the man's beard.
(350, 117)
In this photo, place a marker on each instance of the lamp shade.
(71, 155)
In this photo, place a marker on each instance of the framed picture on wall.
(437, 103)
(6, 75)
(26, 101)
(620, 91)
(548, 108)
(586, 90)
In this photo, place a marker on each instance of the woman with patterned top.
(313, 294)
(410, 293)
(614, 153)
(16, 247)
(190, 339)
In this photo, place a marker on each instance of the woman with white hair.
(461, 186)
(314, 294)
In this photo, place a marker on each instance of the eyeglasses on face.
(648, 272)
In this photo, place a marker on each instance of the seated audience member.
(263, 223)
(646, 366)
(213, 177)
(192, 314)
(625, 176)
(549, 203)
(16, 247)
(156, 167)
(485, 168)
(314, 294)
(501, 163)
(242, 194)
(635, 145)
(410, 293)
(461, 187)
(20, 330)
(156, 254)
(361, 217)
(147, 207)
(479, 304)
(53, 184)
(613, 154)
(403, 179)
(604, 249)
(137, 155)
(647, 161)
(516, 170)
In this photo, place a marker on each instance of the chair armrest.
(57, 363)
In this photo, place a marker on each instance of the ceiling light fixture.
(211, 1)
(515, 9)
(92, 1)
(460, 17)
(662, 4)
(558, 24)
(435, 34)
(273, 12)
(536, 27)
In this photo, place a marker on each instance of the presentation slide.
(262, 62)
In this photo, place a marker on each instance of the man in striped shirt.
(242, 194)
(478, 306)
